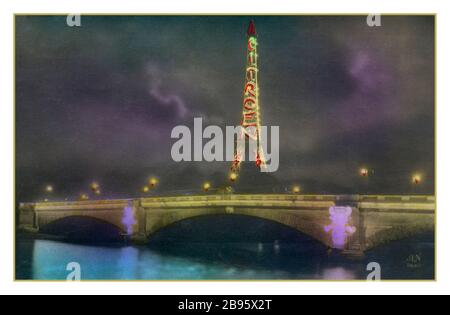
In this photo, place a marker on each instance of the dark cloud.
(99, 102)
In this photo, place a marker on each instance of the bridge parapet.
(270, 201)
(398, 198)
(81, 205)
(392, 204)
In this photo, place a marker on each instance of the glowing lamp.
(153, 182)
(145, 189)
(206, 187)
(258, 161)
(417, 179)
(49, 188)
(233, 177)
(84, 197)
(296, 189)
(364, 172)
(95, 186)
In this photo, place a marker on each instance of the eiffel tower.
(251, 116)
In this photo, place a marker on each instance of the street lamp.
(233, 176)
(84, 197)
(48, 190)
(417, 179)
(145, 189)
(95, 187)
(296, 189)
(206, 186)
(364, 172)
(153, 182)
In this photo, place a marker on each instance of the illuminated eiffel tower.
(251, 116)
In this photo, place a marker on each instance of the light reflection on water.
(47, 260)
(129, 263)
(338, 273)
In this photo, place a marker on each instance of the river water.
(269, 252)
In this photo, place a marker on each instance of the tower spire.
(251, 31)
(250, 114)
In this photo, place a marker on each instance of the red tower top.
(251, 31)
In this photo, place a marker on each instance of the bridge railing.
(74, 205)
(397, 198)
(242, 197)
(362, 201)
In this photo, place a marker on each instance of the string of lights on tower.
(251, 115)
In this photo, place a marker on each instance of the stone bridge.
(364, 222)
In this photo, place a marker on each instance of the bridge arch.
(311, 224)
(83, 228)
(44, 221)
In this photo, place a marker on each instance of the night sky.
(99, 102)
